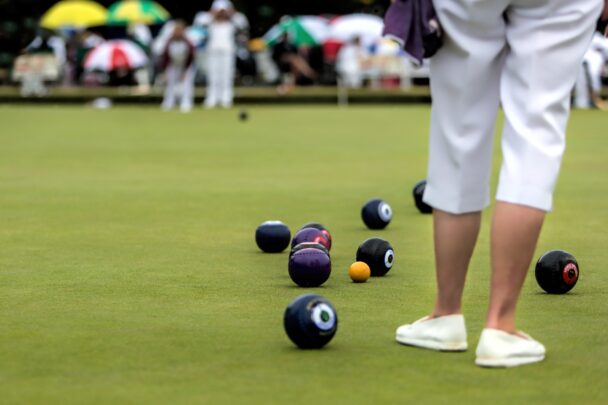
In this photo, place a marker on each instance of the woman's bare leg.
(455, 237)
(515, 231)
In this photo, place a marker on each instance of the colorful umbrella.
(137, 11)
(115, 54)
(74, 14)
(302, 30)
(366, 26)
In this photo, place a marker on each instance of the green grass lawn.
(129, 271)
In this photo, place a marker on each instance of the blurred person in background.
(140, 34)
(177, 64)
(350, 63)
(291, 64)
(221, 55)
(589, 82)
(245, 66)
(121, 76)
(48, 42)
(87, 40)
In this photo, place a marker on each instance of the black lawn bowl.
(418, 192)
(376, 214)
(310, 321)
(378, 254)
(557, 272)
(272, 236)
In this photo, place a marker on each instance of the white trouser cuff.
(523, 194)
(455, 204)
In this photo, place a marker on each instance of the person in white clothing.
(589, 82)
(46, 42)
(177, 62)
(221, 56)
(525, 56)
(350, 62)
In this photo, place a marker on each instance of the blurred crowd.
(588, 87)
(215, 50)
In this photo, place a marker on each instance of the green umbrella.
(302, 30)
(137, 11)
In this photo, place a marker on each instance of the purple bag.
(415, 26)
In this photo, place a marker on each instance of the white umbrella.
(366, 26)
(115, 54)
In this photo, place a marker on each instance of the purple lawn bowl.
(320, 227)
(310, 235)
(309, 267)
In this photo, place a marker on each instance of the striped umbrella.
(302, 30)
(115, 54)
(137, 11)
(74, 14)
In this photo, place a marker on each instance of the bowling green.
(129, 272)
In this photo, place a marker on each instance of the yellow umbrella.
(74, 14)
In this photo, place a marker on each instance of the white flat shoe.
(444, 333)
(498, 348)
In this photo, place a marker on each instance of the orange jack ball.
(359, 272)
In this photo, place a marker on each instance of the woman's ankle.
(445, 311)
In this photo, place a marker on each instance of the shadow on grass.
(306, 289)
(292, 348)
(261, 253)
(568, 294)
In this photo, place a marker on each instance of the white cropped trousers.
(220, 78)
(525, 56)
(180, 83)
